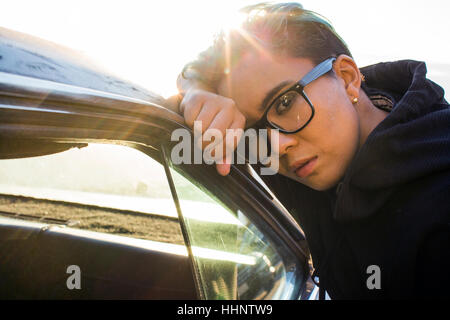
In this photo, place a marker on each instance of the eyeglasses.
(291, 110)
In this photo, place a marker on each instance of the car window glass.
(104, 188)
(233, 257)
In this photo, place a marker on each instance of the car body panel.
(35, 258)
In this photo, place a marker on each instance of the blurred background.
(148, 42)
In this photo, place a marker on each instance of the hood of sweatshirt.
(413, 141)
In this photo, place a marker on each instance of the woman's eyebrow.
(271, 94)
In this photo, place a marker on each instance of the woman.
(364, 155)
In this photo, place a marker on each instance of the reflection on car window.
(235, 260)
(104, 188)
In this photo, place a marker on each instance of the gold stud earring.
(355, 100)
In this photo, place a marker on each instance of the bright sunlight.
(148, 42)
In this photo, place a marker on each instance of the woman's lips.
(306, 168)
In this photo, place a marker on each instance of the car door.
(49, 111)
(256, 220)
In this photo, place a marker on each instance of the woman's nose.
(281, 142)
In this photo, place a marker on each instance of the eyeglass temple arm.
(318, 71)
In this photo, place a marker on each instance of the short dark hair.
(284, 28)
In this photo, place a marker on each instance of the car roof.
(31, 67)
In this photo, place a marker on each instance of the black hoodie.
(392, 208)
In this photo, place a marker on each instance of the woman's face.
(319, 154)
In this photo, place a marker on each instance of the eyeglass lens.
(289, 112)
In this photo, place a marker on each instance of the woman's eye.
(283, 104)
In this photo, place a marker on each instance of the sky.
(148, 42)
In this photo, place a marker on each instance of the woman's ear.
(345, 68)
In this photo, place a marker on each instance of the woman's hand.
(214, 112)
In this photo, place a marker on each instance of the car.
(92, 206)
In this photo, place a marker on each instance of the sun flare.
(149, 42)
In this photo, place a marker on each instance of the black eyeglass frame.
(318, 71)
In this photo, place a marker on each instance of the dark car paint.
(35, 258)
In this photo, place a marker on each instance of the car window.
(104, 188)
(234, 258)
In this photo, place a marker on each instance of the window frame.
(52, 124)
(256, 204)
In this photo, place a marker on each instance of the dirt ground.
(118, 222)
